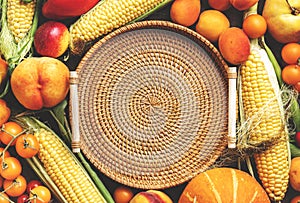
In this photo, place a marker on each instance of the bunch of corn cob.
(19, 21)
(108, 15)
(59, 168)
(262, 114)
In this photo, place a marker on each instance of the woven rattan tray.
(153, 107)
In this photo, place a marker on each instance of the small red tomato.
(27, 145)
(23, 198)
(297, 139)
(123, 195)
(296, 199)
(16, 187)
(33, 184)
(40, 194)
(10, 168)
(4, 198)
(297, 86)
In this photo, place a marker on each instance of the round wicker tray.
(153, 104)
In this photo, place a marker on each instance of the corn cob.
(262, 109)
(20, 17)
(61, 165)
(108, 15)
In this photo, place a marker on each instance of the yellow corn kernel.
(66, 173)
(20, 17)
(262, 109)
(106, 16)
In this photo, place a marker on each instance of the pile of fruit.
(38, 42)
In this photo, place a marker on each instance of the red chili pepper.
(62, 9)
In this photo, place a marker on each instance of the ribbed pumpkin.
(223, 185)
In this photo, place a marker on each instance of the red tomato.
(40, 194)
(10, 130)
(297, 139)
(122, 195)
(27, 145)
(297, 86)
(4, 198)
(291, 74)
(296, 199)
(10, 168)
(23, 198)
(16, 187)
(33, 184)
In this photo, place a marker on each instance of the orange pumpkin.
(223, 185)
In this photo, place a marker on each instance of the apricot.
(220, 5)
(211, 24)
(242, 5)
(185, 12)
(39, 82)
(4, 112)
(234, 45)
(151, 196)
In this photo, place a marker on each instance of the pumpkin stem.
(295, 11)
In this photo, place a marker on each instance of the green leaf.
(59, 111)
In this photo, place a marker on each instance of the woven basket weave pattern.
(153, 105)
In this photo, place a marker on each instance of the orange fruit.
(254, 26)
(3, 69)
(291, 74)
(290, 53)
(211, 24)
(185, 12)
(220, 5)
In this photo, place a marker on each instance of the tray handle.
(74, 112)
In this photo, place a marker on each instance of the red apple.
(51, 39)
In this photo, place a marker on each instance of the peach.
(51, 39)
(242, 5)
(220, 5)
(151, 196)
(4, 112)
(185, 12)
(39, 82)
(234, 45)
